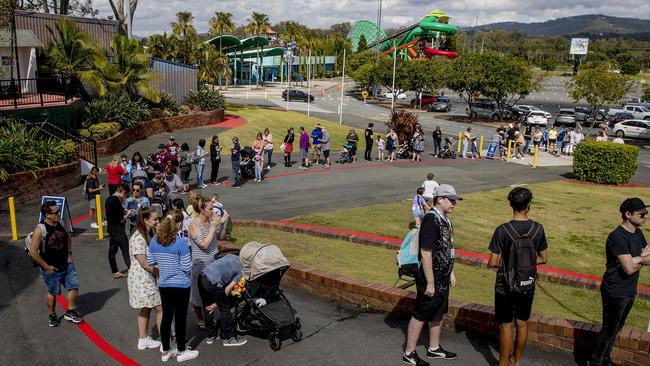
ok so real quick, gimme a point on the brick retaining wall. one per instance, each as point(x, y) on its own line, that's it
point(28, 186)
point(123, 139)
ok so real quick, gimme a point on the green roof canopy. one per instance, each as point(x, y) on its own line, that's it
point(275, 51)
point(226, 41)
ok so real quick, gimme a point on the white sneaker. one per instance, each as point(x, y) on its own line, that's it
point(93, 225)
point(144, 343)
point(171, 353)
point(187, 355)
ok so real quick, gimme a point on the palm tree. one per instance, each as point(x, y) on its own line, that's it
point(212, 65)
point(163, 46)
point(258, 23)
point(130, 69)
point(72, 57)
point(221, 22)
point(184, 29)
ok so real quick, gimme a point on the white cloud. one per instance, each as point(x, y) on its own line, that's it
point(155, 16)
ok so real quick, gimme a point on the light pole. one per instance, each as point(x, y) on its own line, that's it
point(342, 89)
point(392, 100)
point(308, 82)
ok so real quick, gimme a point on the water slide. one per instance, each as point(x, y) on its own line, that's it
point(434, 52)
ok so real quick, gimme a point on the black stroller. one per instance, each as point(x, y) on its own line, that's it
point(247, 165)
point(264, 308)
point(344, 155)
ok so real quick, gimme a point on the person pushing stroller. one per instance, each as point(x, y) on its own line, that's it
point(218, 285)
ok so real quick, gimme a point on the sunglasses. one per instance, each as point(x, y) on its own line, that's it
point(136, 190)
point(643, 215)
point(54, 212)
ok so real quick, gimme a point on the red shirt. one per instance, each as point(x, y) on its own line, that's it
point(163, 159)
point(115, 173)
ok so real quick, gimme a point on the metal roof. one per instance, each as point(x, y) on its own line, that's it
point(227, 41)
point(25, 38)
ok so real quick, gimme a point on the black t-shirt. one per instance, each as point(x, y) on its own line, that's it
point(511, 133)
point(368, 135)
point(55, 252)
point(215, 155)
point(441, 248)
point(114, 211)
point(501, 244)
point(91, 183)
point(616, 283)
point(288, 139)
point(437, 135)
point(235, 152)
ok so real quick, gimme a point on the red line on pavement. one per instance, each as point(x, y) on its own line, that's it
point(459, 251)
point(97, 339)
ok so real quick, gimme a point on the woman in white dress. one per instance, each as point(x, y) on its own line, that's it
point(143, 289)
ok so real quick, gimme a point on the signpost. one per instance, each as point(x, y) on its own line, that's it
point(64, 211)
point(578, 52)
point(492, 150)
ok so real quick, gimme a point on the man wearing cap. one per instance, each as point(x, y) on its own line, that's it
point(317, 136)
point(368, 136)
point(172, 147)
point(435, 278)
point(162, 157)
point(627, 251)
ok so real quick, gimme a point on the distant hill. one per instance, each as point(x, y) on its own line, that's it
point(593, 26)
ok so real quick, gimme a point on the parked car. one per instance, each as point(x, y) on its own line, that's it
point(619, 117)
point(639, 112)
point(536, 118)
point(565, 117)
point(639, 101)
point(582, 113)
point(423, 100)
point(297, 95)
point(485, 109)
point(442, 104)
point(400, 95)
point(530, 108)
point(607, 113)
point(636, 128)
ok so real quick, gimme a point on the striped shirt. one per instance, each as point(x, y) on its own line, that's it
point(174, 262)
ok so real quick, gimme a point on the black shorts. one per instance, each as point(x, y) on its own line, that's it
point(431, 309)
point(326, 154)
point(509, 307)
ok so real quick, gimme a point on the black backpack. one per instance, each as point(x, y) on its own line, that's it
point(520, 265)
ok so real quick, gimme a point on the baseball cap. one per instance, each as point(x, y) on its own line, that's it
point(446, 190)
point(161, 146)
point(172, 138)
point(632, 205)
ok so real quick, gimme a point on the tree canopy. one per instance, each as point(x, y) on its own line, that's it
point(598, 85)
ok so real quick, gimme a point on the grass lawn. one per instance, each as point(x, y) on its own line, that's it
point(577, 219)
point(474, 285)
point(278, 122)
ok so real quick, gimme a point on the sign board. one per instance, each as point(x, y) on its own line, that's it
point(579, 46)
point(64, 211)
point(492, 150)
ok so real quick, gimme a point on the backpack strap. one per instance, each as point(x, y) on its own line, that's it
point(534, 226)
point(42, 245)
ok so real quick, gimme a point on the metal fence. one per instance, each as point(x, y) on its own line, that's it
point(174, 78)
point(86, 147)
point(38, 91)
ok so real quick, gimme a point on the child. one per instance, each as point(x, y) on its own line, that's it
point(92, 189)
point(225, 228)
point(420, 207)
point(380, 147)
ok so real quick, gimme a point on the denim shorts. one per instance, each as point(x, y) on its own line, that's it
point(303, 154)
point(417, 213)
point(67, 278)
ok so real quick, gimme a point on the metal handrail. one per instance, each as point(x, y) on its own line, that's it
point(86, 146)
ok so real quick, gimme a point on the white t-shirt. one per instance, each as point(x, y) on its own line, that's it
point(572, 137)
point(429, 187)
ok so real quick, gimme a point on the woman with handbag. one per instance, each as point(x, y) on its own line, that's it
point(287, 147)
point(215, 159)
point(258, 147)
point(268, 147)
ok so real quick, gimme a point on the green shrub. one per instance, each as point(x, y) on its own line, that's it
point(103, 130)
point(118, 108)
point(605, 162)
point(185, 109)
point(205, 99)
point(84, 132)
point(168, 105)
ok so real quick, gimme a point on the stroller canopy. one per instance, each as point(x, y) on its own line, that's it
point(258, 259)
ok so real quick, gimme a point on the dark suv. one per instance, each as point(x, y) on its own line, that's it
point(297, 95)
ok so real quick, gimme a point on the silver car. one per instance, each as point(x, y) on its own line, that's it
point(637, 128)
point(565, 117)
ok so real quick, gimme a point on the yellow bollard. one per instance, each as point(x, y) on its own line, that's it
point(480, 148)
point(12, 219)
point(509, 150)
point(460, 139)
point(535, 156)
point(98, 211)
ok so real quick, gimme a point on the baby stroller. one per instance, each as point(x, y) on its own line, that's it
point(247, 165)
point(264, 308)
point(159, 201)
point(404, 151)
point(344, 155)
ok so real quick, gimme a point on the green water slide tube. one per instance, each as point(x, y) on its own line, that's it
point(430, 24)
point(369, 30)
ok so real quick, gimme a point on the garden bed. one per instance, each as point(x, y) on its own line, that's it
point(29, 186)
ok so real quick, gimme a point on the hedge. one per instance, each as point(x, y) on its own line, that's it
point(605, 162)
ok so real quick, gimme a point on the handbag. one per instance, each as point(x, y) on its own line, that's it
point(283, 146)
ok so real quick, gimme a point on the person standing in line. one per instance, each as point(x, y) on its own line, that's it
point(203, 232)
point(429, 186)
point(162, 157)
point(143, 290)
point(268, 146)
point(200, 155)
point(467, 139)
point(537, 139)
point(125, 163)
point(93, 188)
point(185, 164)
point(381, 144)
point(234, 159)
point(437, 141)
point(171, 254)
point(316, 135)
point(138, 167)
point(215, 159)
point(172, 148)
point(435, 277)
point(572, 142)
point(326, 146)
point(528, 135)
point(392, 145)
point(418, 143)
point(304, 148)
point(508, 305)
point(258, 147)
point(114, 171)
point(419, 207)
point(601, 136)
point(519, 146)
point(352, 139)
point(116, 218)
point(51, 251)
point(627, 252)
point(135, 203)
point(552, 140)
point(288, 147)
point(368, 135)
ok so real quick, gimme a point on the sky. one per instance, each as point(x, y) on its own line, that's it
point(154, 16)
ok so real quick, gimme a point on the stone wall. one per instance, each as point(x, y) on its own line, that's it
point(28, 186)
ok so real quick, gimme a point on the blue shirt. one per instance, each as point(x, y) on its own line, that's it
point(316, 135)
point(174, 262)
point(224, 270)
point(134, 204)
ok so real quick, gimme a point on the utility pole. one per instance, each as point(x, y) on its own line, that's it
point(377, 39)
point(475, 34)
point(308, 82)
point(342, 89)
point(392, 100)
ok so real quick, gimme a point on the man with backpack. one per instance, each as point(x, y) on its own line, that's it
point(435, 277)
point(51, 250)
point(627, 251)
point(517, 247)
